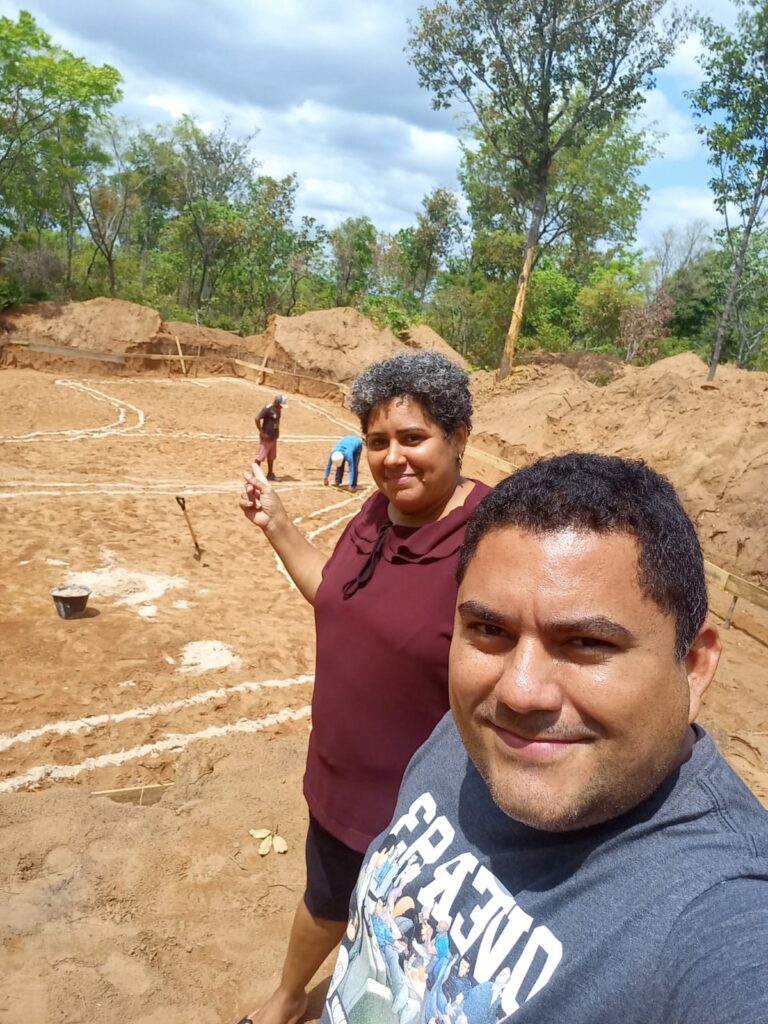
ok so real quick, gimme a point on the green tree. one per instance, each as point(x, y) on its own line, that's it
point(107, 191)
point(352, 246)
point(48, 100)
point(550, 312)
point(594, 194)
point(542, 77)
point(152, 157)
point(274, 256)
point(612, 290)
point(697, 290)
point(424, 247)
point(214, 170)
point(731, 107)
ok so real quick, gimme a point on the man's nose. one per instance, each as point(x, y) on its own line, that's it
point(530, 680)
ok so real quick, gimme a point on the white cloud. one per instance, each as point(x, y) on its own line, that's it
point(684, 61)
point(435, 150)
point(679, 139)
point(675, 207)
point(168, 103)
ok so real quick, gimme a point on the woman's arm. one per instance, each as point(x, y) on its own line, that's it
point(303, 561)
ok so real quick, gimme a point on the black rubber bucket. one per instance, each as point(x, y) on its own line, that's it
point(70, 601)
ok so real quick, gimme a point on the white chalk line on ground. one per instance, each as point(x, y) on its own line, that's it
point(147, 436)
point(150, 490)
point(64, 728)
point(329, 526)
point(310, 536)
point(339, 504)
point(253, 438)
point(116, 427)
point(174, 742)
point(349, 426)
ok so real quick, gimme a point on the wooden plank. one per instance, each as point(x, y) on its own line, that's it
point(491, 460)
point(716, 574)
point(749, 591)
point(736, 585)
point(66, 352)
point(141, 795)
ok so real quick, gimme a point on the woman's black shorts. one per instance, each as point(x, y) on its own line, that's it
point(332, 870)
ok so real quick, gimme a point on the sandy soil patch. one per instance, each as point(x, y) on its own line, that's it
point(167, 913)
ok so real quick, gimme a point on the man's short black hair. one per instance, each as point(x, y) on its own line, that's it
point(606, 494)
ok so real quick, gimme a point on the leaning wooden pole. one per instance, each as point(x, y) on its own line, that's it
point(516, 323)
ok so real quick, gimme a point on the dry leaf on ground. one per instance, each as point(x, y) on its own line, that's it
point(279, 844)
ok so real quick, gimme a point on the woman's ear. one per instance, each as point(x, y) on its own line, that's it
point(459, 438)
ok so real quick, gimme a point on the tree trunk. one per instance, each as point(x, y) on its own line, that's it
point(531, 243)
point(738, 270)
point(730, 301)
point(70, 237)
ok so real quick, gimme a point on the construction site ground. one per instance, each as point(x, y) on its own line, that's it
point(191, 672)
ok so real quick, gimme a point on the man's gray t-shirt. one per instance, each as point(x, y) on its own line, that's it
point(463, 916)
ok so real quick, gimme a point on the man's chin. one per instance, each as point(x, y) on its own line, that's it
point(545, 814)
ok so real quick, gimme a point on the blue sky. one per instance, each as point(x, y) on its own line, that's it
point(328, 86)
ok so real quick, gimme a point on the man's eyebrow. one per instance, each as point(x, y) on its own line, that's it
point(590, 625)
point(481, 611)
point(596, 625)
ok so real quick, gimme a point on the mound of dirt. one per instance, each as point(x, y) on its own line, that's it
point(336, 344)
point(192, 337)
point(421, 336)
point(330, 344)
point(596, 367)
point(98, 325)
point(711, 440)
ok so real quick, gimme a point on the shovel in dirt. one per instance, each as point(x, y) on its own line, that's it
point(183, 506)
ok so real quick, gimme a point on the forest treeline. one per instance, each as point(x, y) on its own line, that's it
point(181, 218)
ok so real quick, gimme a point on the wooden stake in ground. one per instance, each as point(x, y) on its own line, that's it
point(181, 357)
point(183, 506)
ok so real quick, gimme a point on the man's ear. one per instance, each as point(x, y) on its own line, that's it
point(700, 664)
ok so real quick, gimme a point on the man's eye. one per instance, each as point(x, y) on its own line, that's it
point(486, 629)
point(590, 643)
point(413, 439)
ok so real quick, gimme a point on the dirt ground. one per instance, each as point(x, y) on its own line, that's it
point(195, 673)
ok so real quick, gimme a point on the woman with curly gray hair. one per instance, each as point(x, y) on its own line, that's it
point(384, 606)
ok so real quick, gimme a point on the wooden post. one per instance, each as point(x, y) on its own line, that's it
point(731, 610)
point(181, 357)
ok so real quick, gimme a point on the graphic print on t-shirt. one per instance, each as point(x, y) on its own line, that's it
point(434, 936)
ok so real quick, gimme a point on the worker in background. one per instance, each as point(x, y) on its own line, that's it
point(348, 451)
point(268, 424)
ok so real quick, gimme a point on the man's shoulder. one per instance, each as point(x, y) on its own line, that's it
point(712, 788)
point(442, 756)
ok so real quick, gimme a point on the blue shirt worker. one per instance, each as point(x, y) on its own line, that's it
point(348, 451)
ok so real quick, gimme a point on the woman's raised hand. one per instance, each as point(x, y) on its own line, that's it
point(259, 500)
